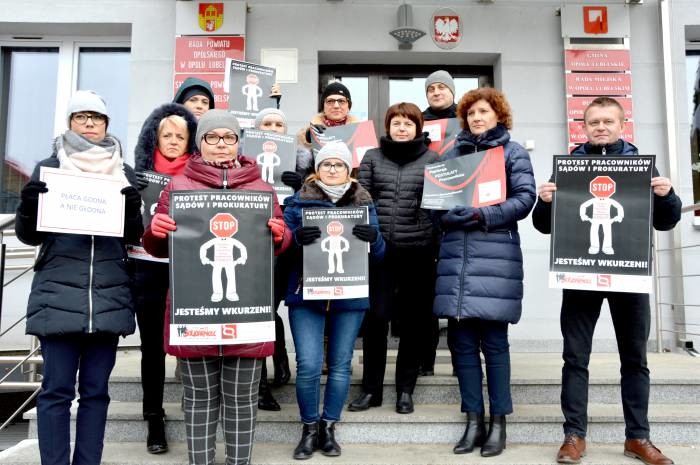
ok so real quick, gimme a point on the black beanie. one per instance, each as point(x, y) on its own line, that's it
point(192, 91)
point(335, 88)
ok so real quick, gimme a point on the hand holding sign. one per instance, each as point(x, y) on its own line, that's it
point(305, 235)
point(30, 195)
point(162, 225)
point(277, 227)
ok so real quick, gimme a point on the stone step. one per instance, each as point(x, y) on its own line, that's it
point(27, 453)
point(430, 423)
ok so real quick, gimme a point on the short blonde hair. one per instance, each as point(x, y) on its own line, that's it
point(177, 120)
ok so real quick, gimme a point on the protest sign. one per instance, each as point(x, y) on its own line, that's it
point(359, 137)
point(477, 180)
point(336, 265)
point(221, 267)
point(442, 134)
point(249, 89)
point(274, 153)
point(81, 203)
point(149, 202)
point(601, 223)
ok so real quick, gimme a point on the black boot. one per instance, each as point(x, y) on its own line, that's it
point(496, 440)
point(308, 443)
point(282, 372)
point(155, 442)
point(326, 439)
point(265, 399)
point(474, 434)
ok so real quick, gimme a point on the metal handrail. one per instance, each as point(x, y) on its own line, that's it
point(7, 375)
point(21, 407)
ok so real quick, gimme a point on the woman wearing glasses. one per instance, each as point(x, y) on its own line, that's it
point(80, 302)
point(329, 187)
point(217, 378)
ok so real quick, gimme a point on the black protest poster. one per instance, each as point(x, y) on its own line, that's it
point(601, 223)
point(442, 134)
point(249, 90)
point(275, 153)
point(359, 137)
point(336, 264)
point(221, 267)
point(149, 202)
point(477, 179)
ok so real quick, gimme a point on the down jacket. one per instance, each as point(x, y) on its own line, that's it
point(311, 196)
point(393, 175)
point(198, 176)
point(480, 271)
point(667, 209)
point(82, 284)
point(148, 138)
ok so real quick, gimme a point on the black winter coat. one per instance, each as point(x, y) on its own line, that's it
point(450, 112)
point(82, 284)
point(393, 175)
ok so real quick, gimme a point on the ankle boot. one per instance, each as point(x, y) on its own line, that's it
point(496, 439)
point(155, 441)
point(282, 372)
point(474, 434)
point(326, 439)
point(308, 443)
point(265, 399)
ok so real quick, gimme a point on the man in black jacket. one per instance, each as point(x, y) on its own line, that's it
point(603, 122)
point(440, 93)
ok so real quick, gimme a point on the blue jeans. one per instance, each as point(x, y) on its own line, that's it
point(466, 338)
point(307, 330)
point(93, 355)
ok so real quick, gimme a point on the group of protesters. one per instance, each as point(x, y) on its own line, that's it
point(464, 264)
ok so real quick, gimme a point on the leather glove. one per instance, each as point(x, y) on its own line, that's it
point(162, 225)
point(292, 179)
point(30, 196)
point(317, 128)
point(277, 227)
point(465, 218)
point(141, 180)
point(305, 235)
point(132, 201)
point(365, 232)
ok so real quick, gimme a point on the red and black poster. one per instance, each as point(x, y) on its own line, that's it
point(221, 267)
point(442, 134)
point(149, 199)
point(359, 137)
point(249, 90)
point(335, 265)
point(477, 179)
point(601, 223)
point(275, 153)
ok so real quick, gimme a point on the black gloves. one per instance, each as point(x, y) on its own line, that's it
point(132, 202)
point(30, 196)
point(305, 235)
point(465, 218)
point(141, 180)
point(292, 179)
point(317, 128)
point(365, 232)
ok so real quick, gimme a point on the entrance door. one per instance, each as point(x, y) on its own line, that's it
point(376, 87)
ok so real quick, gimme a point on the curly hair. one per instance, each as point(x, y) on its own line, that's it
point(494, 98)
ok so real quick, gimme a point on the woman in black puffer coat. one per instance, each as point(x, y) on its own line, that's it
point(401, 286)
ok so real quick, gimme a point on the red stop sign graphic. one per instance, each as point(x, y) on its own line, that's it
point(602, 186)
point(223, 225)
point(334, 228)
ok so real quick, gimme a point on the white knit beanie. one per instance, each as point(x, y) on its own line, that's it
point(334, 149)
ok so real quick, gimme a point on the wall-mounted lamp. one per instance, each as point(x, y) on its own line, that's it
point(406, 33)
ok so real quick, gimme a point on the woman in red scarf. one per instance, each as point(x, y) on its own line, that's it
point(164, 146)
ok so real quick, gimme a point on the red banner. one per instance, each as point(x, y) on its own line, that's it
point(598, 84)
point(597, 60)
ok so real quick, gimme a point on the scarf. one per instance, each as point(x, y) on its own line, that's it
point(164, 165)
point(76, 153)
point(334, 192)
point(330, 123)
point(223, 164)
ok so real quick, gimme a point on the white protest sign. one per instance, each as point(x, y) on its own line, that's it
point(81, 203)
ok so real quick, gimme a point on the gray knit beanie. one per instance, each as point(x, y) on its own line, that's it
point(269, 111)
point(216, 119)
point(443, 77)
point(334, 149)
point(86, 100)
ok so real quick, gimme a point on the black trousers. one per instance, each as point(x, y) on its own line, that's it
point(283, 265)
point(401, 288)
point(150, 291)
point(631, 319)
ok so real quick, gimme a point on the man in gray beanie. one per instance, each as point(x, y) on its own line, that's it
point(440, 92)
point(215, 119)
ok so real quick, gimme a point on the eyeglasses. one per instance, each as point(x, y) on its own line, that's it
point(339, 167)
point(340, 101)
point(98, 119)
point(213, 139)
